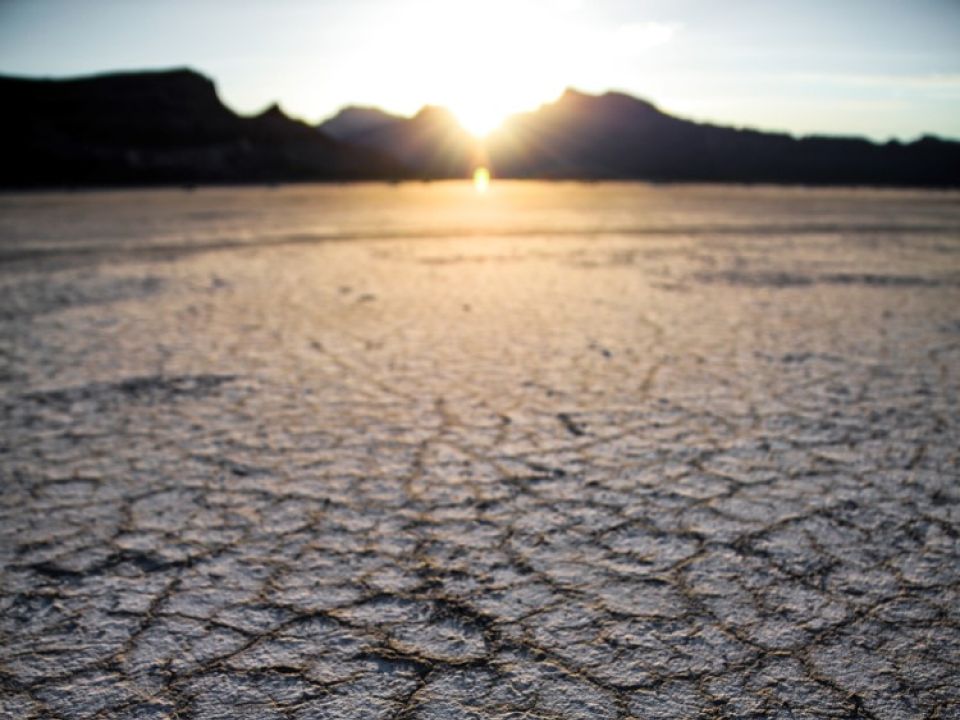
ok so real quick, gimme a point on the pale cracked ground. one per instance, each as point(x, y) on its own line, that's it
point(607, 452)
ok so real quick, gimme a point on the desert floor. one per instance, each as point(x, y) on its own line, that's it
point(558, 451)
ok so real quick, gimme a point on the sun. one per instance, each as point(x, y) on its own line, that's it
point(483, 61)
point(479, 117)
point(482, 106)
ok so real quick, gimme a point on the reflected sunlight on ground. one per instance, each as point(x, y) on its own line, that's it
point(481, 179)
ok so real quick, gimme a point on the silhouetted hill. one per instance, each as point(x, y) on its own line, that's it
point(615, 136)
point(431, 143)
point(354, 120)
point(160, 127)
point(170, 127)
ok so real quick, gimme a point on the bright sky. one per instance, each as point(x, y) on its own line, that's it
point(882, 68)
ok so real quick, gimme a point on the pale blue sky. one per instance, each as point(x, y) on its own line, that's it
point(882, 68)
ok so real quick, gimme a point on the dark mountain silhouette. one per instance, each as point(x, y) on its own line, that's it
point(161, 127)
point(431, 143)
point(355, 120)
point(615, 136)
point(171, 128)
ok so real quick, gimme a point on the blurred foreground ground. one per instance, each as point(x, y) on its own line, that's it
point(556, 451)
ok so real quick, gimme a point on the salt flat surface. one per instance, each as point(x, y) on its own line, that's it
point(556, 451)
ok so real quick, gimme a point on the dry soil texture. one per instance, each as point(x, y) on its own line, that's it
point(559, 451)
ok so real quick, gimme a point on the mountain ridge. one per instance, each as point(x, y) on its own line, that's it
point(615, 136)
point(161, 127)
point(170, 127)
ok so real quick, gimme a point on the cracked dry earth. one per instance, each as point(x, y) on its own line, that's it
point(559, 451)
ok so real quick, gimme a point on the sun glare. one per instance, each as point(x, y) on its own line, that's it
point(480, 118)
point(481, 179)
point(507, 70)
